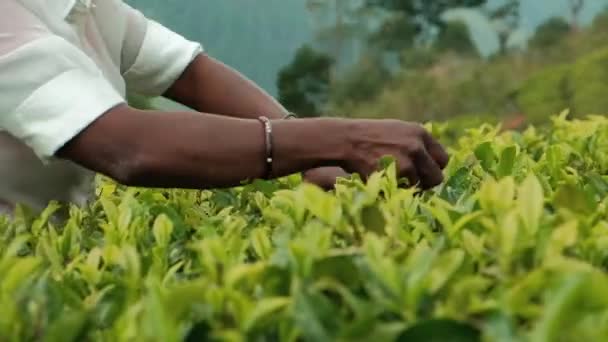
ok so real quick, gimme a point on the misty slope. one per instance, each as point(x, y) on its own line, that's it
point(257, 38)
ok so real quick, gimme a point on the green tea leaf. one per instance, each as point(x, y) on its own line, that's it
point(444, 268)
point(507, 162)
point(373, 219)
point(315, 316)
point(342, 268)
point(485, 154)
point(321, 204)
point(500, 327)
point(575, 199)
point(530, 200)
point(199, 332)
point(456, 185)
point(562, 308)
point(440, 330)
point(263, 309)
point(261, 243)
point(162, 229)
point(69, 326)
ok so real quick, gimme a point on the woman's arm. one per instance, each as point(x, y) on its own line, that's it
point(201, 151)
point(208, 85)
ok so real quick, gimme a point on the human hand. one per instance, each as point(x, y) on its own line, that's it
point(324, 177)
point(420, 158)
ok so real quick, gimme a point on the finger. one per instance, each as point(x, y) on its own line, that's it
point(325, 177)
point(435, 150)
point(428, 170)
point(320, 182)
point(407, 169)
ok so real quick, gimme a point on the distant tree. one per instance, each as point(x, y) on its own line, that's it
point(418, 58)
point(424, 16)
point(576, 6)
point(500, 24)
point(506, 21)
point(340, 28)
point(389, 26)
point(600, 22)
point(303, 85)
point(363, 82)
point(550, 33)
point(455, 37)
point(395, 34)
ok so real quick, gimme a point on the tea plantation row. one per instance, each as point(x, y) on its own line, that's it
point(512, 247)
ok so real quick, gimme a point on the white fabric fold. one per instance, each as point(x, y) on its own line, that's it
point(63, 64)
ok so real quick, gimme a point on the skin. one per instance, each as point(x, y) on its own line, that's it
point(222, 144)
point(5, 207)
point(210, 86)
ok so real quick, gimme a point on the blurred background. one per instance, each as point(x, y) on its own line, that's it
point(509, 61)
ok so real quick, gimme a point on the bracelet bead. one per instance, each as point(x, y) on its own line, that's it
point(290, 115)
point(268, 144)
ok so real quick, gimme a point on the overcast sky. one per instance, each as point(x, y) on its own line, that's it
point(535, 12)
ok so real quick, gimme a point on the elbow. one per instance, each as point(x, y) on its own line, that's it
point(115, 145)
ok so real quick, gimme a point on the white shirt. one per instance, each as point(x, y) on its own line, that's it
point(63, 63)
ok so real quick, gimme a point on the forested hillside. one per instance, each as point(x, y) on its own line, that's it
point(260, 37)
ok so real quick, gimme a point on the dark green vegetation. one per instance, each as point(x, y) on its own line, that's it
point(306, 82)
point(562, 66)
point(512, 247)
point(380, 70)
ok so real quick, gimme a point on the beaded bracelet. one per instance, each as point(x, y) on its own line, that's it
point(268, 141)
point(290, 115)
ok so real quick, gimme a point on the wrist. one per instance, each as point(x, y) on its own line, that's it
point(309, 143)
point(335, 141)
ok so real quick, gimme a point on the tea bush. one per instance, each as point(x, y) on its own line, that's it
point(512, 247)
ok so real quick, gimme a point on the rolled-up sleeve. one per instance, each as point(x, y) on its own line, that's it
point(49, 90)
point(157, 56)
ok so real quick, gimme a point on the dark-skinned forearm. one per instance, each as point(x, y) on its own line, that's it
point(208, 85)
point(198, 150)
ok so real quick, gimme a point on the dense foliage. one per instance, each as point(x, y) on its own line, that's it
point(303, 84)
point(422, 14)
point(512, 247)
point(544, 79)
